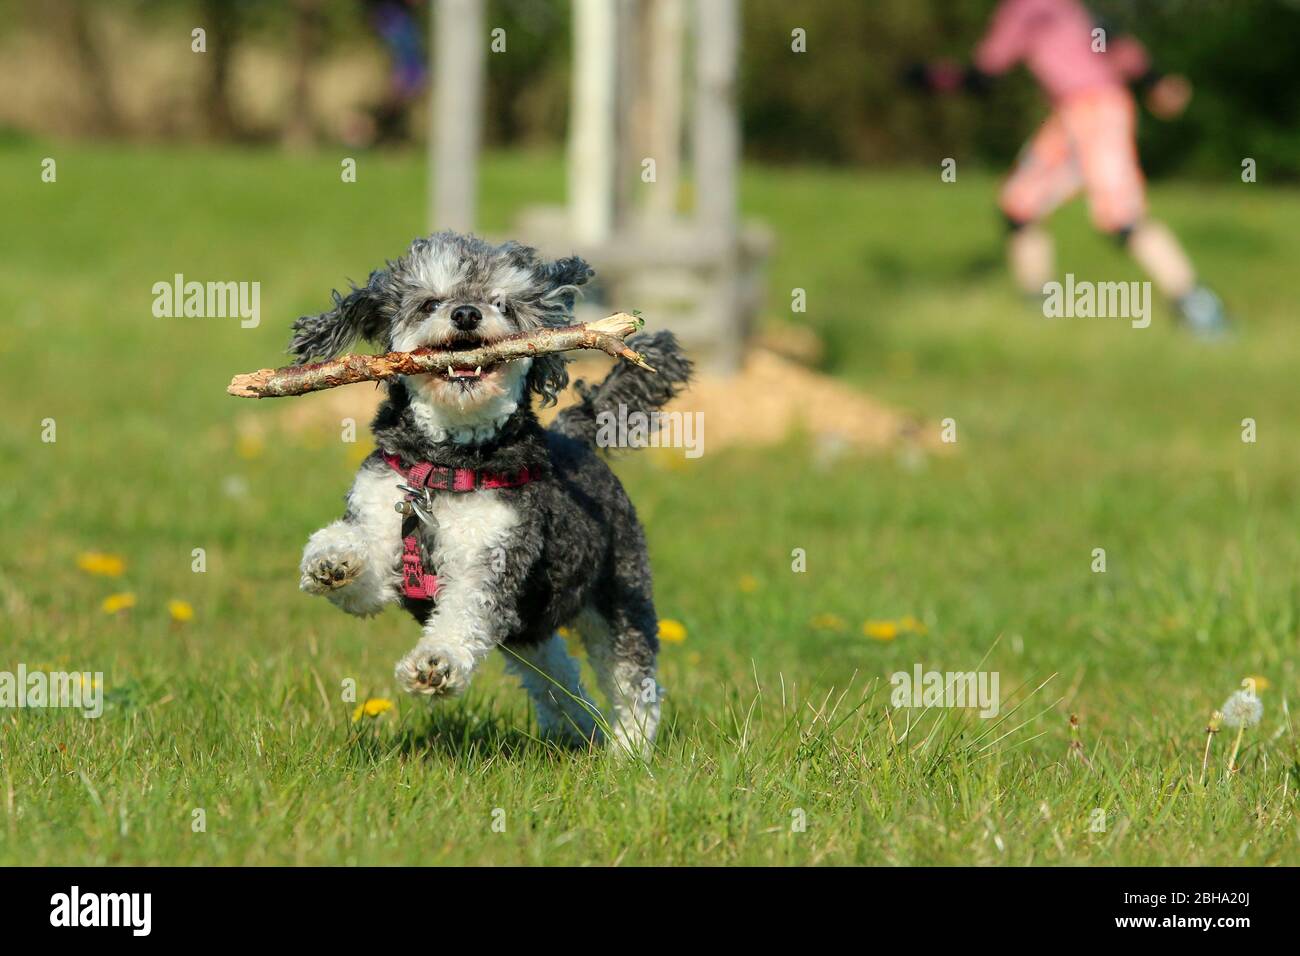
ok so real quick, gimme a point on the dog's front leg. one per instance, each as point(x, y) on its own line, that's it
point(482, 553)
point(355, 561)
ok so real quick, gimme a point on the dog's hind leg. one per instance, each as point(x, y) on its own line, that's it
point(551, 677)
point(621, 647)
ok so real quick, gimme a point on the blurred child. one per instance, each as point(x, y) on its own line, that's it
point(1088, 143)
point(397, 24)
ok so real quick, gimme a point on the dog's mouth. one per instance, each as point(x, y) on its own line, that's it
point(466, 375)
point(464, 371)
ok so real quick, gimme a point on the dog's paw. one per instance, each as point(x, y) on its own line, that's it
point(433, 672)
point(329, 570)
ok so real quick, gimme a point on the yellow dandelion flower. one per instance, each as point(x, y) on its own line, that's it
point(748, 583)
point(250, 446)
point(909, 623)
point(107, 565)
point(669, 459)
point(880, 630)
point(827, 622)
point(373, 707)
point(672, 632)
point(181, 611)
point(118, 602)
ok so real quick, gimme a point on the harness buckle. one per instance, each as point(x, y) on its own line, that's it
point(418, 502)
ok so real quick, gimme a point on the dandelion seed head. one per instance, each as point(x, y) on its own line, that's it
point(1242, 709)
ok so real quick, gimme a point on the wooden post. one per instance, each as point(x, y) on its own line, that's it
point(717, 156)
point(593, 121)
point(629, 141)
point(661, 98)
point(717, 129)
point(459, 53)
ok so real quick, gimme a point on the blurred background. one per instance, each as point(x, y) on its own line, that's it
point(849, 307)
point(331, 72)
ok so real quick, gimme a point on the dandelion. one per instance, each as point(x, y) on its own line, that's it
point(672, 632)
point(888, 630)
point(909, 623)
point(748, 584)
point(880, 630)
point(105, 565)
point(373, 707)
point(669, 459)
point(1243, 709)
point(1211, 728)
point(827, 622)
point(250, 446)
point(1076, 745)
point(180, 611)
point(234, 486)
point(115, 603)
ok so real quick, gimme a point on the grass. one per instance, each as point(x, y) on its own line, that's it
point(1072, 435)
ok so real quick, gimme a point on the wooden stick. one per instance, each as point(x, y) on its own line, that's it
point(606, 334)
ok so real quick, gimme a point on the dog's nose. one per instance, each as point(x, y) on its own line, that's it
point(466, 317)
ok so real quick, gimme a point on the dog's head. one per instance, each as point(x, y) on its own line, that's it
point(452, 291)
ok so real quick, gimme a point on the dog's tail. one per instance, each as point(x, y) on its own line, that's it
point(633, 388)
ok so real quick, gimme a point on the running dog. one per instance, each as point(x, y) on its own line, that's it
point(493, 531)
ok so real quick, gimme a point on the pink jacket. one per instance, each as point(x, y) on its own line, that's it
point(1054, 39)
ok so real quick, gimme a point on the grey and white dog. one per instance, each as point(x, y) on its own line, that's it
point(514, 564)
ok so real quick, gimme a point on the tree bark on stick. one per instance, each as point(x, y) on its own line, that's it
point(606, 334)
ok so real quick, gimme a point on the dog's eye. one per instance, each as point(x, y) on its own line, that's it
point(505, 308)
point(428, 306)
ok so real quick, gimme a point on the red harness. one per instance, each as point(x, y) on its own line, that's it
point(418, 584)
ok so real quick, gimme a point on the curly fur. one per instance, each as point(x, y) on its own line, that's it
point(629, 386)
point(514, 565)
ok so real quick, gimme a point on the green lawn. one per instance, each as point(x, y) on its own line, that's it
point(1072, 435)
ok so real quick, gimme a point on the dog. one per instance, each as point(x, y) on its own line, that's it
point(525, 529)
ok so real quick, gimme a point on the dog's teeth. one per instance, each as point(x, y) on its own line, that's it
point(478, 371)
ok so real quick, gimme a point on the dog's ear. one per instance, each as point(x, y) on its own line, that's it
point(572, 270)
point(548, 376)
point(357, 315)
point(562, 278)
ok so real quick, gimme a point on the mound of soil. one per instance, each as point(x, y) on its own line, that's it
point(771, 398)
